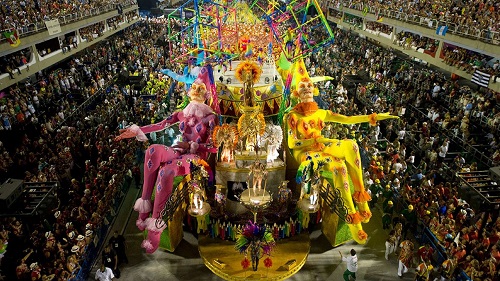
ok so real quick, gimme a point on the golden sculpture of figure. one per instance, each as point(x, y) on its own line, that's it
point(248, 73)
point(258, 174)
point(313, 198)
point(273, 137)
point(198, 197)
point(251, 122)
point(284, 193)
point(341, 157)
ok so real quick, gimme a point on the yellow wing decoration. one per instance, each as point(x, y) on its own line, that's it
point(225, 134)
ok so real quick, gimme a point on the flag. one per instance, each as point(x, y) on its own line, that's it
point(12, 37)
point(481, 78)
point(441, 30)
point(365, 11)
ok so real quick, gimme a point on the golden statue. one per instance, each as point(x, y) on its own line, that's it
point(250, 125)
point(251, 122)
point(248, 73)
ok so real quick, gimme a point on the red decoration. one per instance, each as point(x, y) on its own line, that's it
point(268, 262)
point(245, 263)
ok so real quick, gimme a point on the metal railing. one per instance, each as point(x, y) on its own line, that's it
point(473, 152)
point(91, 254)
point(423, 233)
point(473, 32)
point(39, 26)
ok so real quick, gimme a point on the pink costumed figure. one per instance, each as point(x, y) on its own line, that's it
point(163, 163)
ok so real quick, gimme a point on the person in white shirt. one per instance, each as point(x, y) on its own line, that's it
point(401, 134)
point(444, 149)
point(397, 166)
point(352, 265)
point(435, 116)
point(435, 90)
point(104, 273)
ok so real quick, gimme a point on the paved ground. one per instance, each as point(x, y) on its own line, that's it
point(185, 264)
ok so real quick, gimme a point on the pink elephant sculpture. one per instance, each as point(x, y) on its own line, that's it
point(162, 163)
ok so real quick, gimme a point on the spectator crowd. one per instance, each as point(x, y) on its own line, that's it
point(21, 14)
point(481, 15)
point(73, 144)
point(406, 160)
point(410, 162)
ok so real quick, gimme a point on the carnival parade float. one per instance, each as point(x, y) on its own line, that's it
point(252, 171)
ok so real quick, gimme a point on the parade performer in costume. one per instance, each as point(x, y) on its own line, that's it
point(251, 123)
point(163, 163)
point(339, 157)
point(226, 136)
point(244, 45)
point(248, 73)
point(405, 257)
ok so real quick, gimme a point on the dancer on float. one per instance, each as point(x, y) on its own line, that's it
point(162, 163)
point(341, 157)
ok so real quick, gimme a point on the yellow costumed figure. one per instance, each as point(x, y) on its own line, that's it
point(340, 158)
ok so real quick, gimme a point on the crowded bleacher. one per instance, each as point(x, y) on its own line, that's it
point(72, 144)
point(69, 116)
point(480, 19)
point(440, 122)
point(23, 15)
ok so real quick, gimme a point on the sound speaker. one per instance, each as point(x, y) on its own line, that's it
point(10, 191)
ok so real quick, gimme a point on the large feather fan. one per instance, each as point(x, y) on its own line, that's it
point(252, 233)
point(225, 134)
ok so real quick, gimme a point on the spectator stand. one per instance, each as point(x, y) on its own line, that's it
point(34, 203)
point(16, 61)
point(410, 86)
point(31, 202)
point(422, 234)
point(92, 251)
point(36, 26)
point(82, 122)
point(354, 20)
point(422, 44)
point(379, 29)
point(466, 147)
point(86, 105)
point(482, 190)
point(414, 16)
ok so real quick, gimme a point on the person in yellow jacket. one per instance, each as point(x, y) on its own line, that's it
point(448, 268)
point(423, 272)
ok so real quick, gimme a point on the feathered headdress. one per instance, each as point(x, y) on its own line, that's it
point(248, 66)
point(252, 233)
